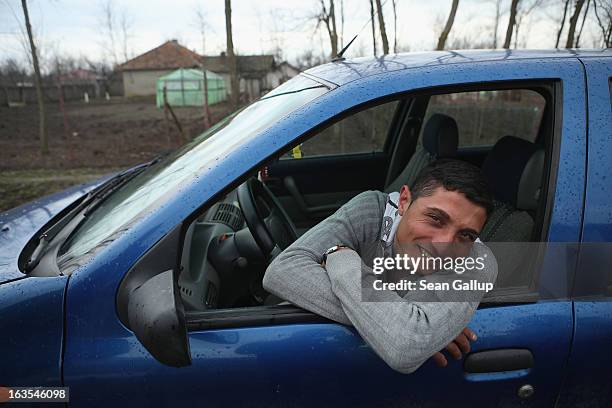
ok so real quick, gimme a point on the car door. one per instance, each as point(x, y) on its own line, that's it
point(588, 381)
point(520, 355)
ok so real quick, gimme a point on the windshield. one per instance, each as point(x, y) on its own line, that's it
point(117, 211)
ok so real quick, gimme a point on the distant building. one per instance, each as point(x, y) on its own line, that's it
point(81, 78)
point(140, 74)
point(258, 73)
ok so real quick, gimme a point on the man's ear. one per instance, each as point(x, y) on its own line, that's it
point(404, 199)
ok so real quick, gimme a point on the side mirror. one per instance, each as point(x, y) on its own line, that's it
point(156, 315)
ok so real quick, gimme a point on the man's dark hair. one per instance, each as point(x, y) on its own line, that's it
point(453, 175)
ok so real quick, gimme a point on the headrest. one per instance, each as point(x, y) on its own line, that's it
point(513, 170)
point(440, 136)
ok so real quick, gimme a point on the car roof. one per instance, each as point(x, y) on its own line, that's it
point(348, 70)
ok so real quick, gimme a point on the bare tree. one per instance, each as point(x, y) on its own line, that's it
point(467, 41)
point(341, 24)
point(235, 90)
point(562, 24)
point(522, 12)
point(496, 21)
point(308, 59)
point(42, 120)
point(327, 16)
point(373, 26)
point(125, 26)
point(394, 3)
point(584, 17)
point(108, 29)
point(572, 24)
point(12, 72)
point(511, 23)
point(275, 34)
point(604, 21)
point(116, 30)
point(201, 24)
point(381, 26)
point(447, 26)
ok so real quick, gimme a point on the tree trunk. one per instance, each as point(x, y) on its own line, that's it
point(333, 36)
point(381, 26)
point(42, 121)
point(448, 26)
point(341, 24)
point(511, 22)
point(562, 23)
point(586, 11)
point(231, 58)
point(572, 24)
point(394, 26)
point(328, 17)
point(373, 25)
point(496, 24)
point(605, 24)
point(207, 120)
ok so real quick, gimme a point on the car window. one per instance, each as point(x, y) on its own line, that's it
point(116, 212)
point(362, 132)
point(484, 117)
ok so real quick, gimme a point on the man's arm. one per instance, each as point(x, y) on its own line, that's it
point(297, 275)
point(404, 333)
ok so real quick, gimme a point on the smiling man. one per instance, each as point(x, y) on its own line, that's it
point(329, 269)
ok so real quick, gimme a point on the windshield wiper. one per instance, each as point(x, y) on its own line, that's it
point(113, 184)
point(86, 206)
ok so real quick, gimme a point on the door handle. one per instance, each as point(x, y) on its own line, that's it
point(490, 361)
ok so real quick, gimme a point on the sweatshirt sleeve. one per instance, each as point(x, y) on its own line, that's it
point(404, 333)
point(296, 274)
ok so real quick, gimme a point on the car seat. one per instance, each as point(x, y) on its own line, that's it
point(513, 171)
point(440, 140)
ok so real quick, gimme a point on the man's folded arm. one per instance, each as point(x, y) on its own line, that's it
point(402, 332)
point(296, 274)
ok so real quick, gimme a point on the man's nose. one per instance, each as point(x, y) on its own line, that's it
point(443, 242)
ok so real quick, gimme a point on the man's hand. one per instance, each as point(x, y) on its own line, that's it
point(456, 348)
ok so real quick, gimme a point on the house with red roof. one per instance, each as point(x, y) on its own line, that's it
point(257, 73)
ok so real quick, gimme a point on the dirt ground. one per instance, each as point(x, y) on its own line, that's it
point(91, 140)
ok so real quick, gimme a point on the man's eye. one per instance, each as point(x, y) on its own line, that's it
point(435, 218)
point(467, 236)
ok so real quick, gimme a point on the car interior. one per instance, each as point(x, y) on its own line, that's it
point(506, 130)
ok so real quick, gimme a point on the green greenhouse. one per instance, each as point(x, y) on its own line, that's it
point(185, 87)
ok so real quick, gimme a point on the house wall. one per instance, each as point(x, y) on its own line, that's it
point(139, 83)
point(281, 74)
point(289, 71)
point(250, 88)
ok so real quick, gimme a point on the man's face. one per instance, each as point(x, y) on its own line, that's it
point(445, 218)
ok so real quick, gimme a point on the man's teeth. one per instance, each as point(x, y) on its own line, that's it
point(424, 253)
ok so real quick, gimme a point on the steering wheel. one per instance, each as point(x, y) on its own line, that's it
point(269, 224)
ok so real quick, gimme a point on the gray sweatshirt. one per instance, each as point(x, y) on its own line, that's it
point(403, 330)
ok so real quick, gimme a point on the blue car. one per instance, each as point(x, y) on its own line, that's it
point(144, 288)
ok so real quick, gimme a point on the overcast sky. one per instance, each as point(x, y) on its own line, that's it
point(72, 27)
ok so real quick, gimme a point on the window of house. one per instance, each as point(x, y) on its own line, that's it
point(484, 117)
point(362, 132)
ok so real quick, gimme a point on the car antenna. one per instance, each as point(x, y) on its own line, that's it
point(340, 57)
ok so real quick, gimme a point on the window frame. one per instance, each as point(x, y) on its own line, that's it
point(392, 130)
point(550, 133)
point(538, 90)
